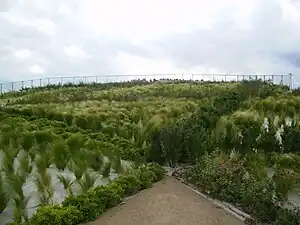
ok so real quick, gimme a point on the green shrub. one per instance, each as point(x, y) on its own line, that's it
point(259, 199)
point(87, 203)
point(145, 176)
point(109, 195)
point(56, 215)
point(230, 178)
point(288, 217)
point(158, 170)
point(130, 184)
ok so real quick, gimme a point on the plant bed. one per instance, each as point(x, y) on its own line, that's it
point(89, 206)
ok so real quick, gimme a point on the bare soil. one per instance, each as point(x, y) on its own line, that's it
point(169, 202)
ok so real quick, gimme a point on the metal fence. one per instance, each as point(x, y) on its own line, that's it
point(284, 79)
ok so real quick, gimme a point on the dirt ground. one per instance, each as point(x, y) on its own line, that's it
point(169, 202)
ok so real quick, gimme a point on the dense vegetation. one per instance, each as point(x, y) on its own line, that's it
point(230, 133)
point(244, 148)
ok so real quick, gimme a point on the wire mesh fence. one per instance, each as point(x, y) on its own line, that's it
point(283, 79)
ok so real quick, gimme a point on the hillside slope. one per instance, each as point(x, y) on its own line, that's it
point(239, 138)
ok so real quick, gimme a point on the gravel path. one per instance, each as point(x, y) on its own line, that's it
point(169, 202)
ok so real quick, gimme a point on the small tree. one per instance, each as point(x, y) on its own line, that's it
point(20, 201)
point(87, 182)
point(60, 156)
point(4, 199)
point(67, 183)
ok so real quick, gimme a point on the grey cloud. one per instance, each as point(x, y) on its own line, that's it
point(230, 48)
point(269, 45)
point(6, 5)
point(292, 57)
point(47, 51)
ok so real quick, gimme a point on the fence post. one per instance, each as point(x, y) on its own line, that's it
point(96, 79)
point(40, 82)
point(22, 84)
point(85, 79)
point(1, 87)
point(31, 83)
point(48, 81)
point(12, 86)
point(291, 81)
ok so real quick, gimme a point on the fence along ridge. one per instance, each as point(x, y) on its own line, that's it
point(17, 85)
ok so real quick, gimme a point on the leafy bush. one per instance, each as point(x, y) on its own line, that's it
point(145, 176)
point(87, 204)
point(129, 183)
point(159, 171)
point(288, 217)
point(229, 178)
point(56, 215)
point(109, 195)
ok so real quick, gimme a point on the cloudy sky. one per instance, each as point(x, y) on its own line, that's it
point(42, 38)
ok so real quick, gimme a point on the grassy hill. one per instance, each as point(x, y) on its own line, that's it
point(84, 132)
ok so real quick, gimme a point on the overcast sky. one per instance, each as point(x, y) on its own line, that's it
point(41, 38)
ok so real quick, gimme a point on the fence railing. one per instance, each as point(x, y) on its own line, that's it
point(284, 79)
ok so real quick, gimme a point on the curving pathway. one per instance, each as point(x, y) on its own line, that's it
point(168, 202)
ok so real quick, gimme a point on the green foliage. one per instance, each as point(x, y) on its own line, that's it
point(230, 178)
point(85, 203)
point(106, 169)
point(27, 141)
point(60, 155)
point(97, 200)
point(181, 142)
point(44, 187)
point(67, 184)
point(87, 181)
point(129, 183)
point(109, 195)
point(286, 217)
point(146, 176)
point(291, 138)
point(16, 181)
point(7, 164)
point(25, 163)
point(158, 171)
point(20, 208)
point(56, 215)
point(3, 195)
point(80, 126)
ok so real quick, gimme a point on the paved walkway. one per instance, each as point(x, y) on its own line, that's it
point(169, 202)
